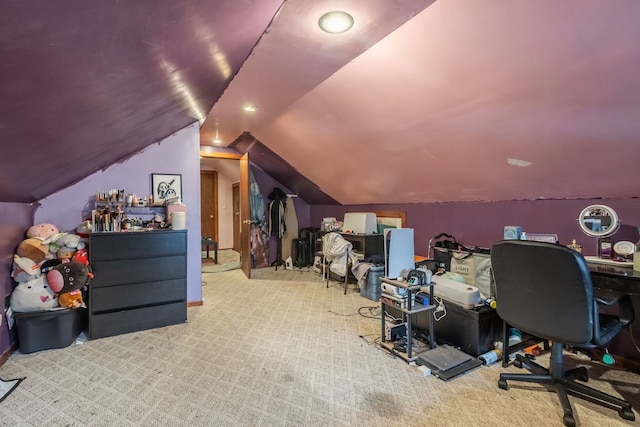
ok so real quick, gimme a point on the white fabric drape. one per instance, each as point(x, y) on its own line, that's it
point(338, 252)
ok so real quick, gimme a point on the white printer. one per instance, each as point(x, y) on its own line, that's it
point(360, 223)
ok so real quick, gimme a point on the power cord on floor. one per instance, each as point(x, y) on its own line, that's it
point(340, 314)
point(364, 338)
point(372, 314)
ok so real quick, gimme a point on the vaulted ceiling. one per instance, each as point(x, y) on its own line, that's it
point(420, 101)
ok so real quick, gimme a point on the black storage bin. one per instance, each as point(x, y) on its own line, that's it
point(473, 330)
point(43, 330)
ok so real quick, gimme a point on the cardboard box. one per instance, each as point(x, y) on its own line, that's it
point(43, 330)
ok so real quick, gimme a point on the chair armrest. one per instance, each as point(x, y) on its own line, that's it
point(625, 305)
point(608, 298)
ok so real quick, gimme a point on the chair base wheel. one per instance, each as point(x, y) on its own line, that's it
point(503, 384)
point(517, 363)
point(627, 414)
point(569, 421)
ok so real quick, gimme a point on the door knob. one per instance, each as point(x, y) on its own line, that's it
point(211, 216)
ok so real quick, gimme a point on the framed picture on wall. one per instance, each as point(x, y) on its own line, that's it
point(166, 186)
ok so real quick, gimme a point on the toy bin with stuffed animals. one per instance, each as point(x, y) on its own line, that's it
point(44, 330)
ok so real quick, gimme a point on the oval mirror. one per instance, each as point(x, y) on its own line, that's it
point(598, 221)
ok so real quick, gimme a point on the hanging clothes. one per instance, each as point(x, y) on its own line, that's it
point(259, 226)
point(277, 225)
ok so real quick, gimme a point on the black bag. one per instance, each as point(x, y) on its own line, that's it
point(443, 249)
point(300, 253)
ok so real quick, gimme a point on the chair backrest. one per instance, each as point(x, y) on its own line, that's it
point(544, 289)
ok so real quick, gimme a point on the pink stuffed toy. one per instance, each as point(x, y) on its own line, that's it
point(42, 231)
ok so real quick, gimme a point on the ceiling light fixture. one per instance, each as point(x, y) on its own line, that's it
point(336, 22)
point(250, 108)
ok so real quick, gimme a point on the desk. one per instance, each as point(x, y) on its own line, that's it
point(207, 241)
point(623, 280)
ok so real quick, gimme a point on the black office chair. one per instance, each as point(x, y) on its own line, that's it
point(545, 290)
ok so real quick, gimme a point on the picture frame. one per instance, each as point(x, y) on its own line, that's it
point(166, 187)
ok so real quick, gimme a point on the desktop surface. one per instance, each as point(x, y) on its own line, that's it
point(614, 277)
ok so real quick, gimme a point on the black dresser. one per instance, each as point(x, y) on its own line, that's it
point(140, 281)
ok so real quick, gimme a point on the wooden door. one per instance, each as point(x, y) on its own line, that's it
point(209, 204)
point(245, 218)
point(236, 216)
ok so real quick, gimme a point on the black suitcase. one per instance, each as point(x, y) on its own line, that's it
point(310, 235)
point(300, 253)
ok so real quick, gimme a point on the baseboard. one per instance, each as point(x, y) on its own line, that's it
point(5, 356)
point(194, 303)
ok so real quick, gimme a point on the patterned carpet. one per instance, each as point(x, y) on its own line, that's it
point(228, 259)
point(277, 350)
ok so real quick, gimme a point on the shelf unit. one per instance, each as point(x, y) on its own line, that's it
point(118, 212)
point(412, 308)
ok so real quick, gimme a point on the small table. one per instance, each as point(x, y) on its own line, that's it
point(408, 311)
point(207, 241)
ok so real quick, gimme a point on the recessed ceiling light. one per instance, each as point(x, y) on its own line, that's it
point(336, 22)
point(250, 108)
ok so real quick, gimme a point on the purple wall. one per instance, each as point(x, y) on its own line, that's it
point(177, 154)
point(15, 219)
point(482, 224)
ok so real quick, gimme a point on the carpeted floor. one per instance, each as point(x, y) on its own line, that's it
point(228, 259)
point(277, 350)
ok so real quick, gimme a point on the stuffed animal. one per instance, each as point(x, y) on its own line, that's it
point(24, 269)
point(64, 240)
point(81, 256)
point(42, 231)
point(69, 278)
point(71, 299)
point(34, 249)
point(84, 229)
point(33, 295)
point(70, 240)
point(65, 254)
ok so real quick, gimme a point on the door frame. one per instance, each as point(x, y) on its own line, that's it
point(245, 236)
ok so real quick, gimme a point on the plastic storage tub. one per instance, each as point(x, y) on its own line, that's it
point(43, 330)
point(372, 288)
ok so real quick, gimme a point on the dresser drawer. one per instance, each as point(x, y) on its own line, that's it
point(125, 271)
point(111, 246)
point(125, 321)
point(113, 298)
